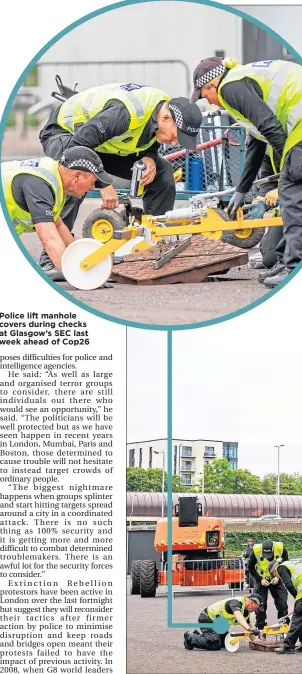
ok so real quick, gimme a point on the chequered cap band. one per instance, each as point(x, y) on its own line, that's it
point(88, 165)
point(178, 116)
point(209, 76)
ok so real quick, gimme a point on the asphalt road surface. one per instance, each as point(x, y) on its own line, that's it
point(164, 305)
point(153, 648)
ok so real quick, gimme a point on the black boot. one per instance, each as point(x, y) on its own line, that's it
point(285, 650)
point(267, 273)
point(274, 281)
point(187, 641)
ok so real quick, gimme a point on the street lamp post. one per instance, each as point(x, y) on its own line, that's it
point(161, 451)
point(278, 447)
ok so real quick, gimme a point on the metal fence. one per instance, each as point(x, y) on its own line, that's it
point(205, 575)
point(171, 75)
point(264, 526)
point(217, 163)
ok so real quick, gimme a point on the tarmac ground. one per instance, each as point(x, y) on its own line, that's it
point(166, 304)
point(153, 648)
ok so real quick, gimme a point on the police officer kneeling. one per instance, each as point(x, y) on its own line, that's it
point(236, 610)
point(35, 191)
point(262, 555)
point(290, 575)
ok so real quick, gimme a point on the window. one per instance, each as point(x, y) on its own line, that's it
point(186, 451)
point(132, 458)
point(187, 479)
point(140, 457)
point(186, 465)
point(233, 465)
point(206, 462)
point(233, 452)
point(32, 79)
point(150, 457)
point(175, 460)
point(209, 451)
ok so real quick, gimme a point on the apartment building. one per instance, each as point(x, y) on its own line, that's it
point(189, 456)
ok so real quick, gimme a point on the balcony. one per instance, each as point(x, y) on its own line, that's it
point(209, 456)
point(187, 469)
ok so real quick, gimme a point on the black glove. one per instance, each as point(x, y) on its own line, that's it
point(254, 631)
point(236, 201)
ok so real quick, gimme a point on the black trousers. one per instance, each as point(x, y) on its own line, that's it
point(295, 631)
point(204, 618)
point(289, 250)
point(273, 235)
point(158, 197)
point(279, 594)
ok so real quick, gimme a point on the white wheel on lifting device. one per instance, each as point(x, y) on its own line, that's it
point(231, 647)
point(79, 278)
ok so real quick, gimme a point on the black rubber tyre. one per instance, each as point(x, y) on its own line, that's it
point(148, 578)
point(135, 578)
point(230, 236)
point(114, 219)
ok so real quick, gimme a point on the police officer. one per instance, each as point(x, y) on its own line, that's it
point(290, 575)
point(35, 191)
point(236, 610)
point(124, 123)
point(266, 257)
point(262, 555)
point(266, 98)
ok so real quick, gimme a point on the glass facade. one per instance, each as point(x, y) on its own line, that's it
point(132, 458)
point(230, 452)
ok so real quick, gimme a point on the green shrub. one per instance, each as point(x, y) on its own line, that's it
point(235, 541)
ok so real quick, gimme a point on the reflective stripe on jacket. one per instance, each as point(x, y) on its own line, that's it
point(218, 610)
point(45, 168)
point(263, 563)
point(281, 86)
point(140, 102)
